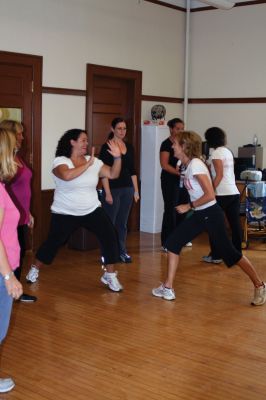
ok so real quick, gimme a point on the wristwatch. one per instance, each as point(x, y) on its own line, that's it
point(8, 276)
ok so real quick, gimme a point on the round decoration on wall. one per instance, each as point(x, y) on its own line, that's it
point(158, 111)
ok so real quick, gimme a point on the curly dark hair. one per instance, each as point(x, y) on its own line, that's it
point(215, 137)
point(64, 147)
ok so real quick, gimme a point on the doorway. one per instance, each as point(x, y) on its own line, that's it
point(20, 93)
point(113, 92)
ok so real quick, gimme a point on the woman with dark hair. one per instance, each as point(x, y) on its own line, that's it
point(76, 203)
point(10, 287)
point(227, 194)
point(119, 193)
point(19, 189)
point(207, 216)
point(173, 190)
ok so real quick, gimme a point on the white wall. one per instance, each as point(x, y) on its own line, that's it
point(70, 33)
point(228, 59)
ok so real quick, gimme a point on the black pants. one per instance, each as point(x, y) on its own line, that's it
point(231, 207)
point(22, 232)
point(62, 226)
point(173, 195)
point(212, 221)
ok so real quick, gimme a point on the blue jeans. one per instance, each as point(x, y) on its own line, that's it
point(6, 302)
point(118, 212)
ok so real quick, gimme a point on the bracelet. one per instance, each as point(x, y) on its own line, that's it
point(136, 193)
point(117, 158)
point(8, 276)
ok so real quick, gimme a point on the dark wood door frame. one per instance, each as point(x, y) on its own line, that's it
point(35, 62)
point(130, 75)
point(134, 78)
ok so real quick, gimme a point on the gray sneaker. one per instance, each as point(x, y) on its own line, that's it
point(165, 293)
point(6, 385)
point(259, 296)
point(209, 259)
point(110, 280)
point(33, 274)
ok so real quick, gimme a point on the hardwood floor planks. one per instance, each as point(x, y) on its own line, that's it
point(82, 341)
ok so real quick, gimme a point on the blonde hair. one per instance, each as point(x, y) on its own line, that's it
point(8, 166)
point(192, 142)
point(11, 125)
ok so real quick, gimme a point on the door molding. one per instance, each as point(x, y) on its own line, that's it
point(120, 73)
point(35, 62)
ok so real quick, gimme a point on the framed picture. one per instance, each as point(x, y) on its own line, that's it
point(11, 113)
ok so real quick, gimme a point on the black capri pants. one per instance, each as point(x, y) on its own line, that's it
point(212, 221)
point(62, 226)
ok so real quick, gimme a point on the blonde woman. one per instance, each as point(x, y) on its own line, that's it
point(207, 216)
point(10, 287)
point(19, 189)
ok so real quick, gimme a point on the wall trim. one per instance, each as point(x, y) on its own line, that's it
point(168, 5)
point(208, 8)
point(229, 100)
point(161, 99)
point(63, 91)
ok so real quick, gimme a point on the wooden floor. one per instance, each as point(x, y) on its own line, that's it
point(81, 341)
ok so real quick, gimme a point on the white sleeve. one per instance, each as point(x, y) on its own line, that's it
point(199, 168)
point(62, 161)
point(218, 154)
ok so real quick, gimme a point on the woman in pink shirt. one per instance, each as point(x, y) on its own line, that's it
point(10, 287)
point(19, 189)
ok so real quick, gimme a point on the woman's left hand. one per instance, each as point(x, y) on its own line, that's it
point(183, 208)
point(31, 222)
point(114, 148)
point(136, 197)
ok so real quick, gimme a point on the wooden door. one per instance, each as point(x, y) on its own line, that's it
point(114, 92)
point(16, 93)
point(20, 88)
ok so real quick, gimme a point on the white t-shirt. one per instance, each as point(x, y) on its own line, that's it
point(227, 186)
point(78, 196)
point(194, 168)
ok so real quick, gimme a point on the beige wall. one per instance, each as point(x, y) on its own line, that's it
point(228, 59)
point(70, 33)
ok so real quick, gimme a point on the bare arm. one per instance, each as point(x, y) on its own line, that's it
point(164, 161)
point(219, 170)
point(67, 174)
point(108, 194)
point(136, 188)
point(13, 286)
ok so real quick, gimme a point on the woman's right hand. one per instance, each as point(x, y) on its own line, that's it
point(14, 287)
point(109, 198)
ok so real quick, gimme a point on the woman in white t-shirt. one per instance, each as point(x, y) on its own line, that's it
point(207, 216)
point(227, 193)
point(76, 203)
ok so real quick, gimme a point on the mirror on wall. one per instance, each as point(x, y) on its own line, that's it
point(10, 113)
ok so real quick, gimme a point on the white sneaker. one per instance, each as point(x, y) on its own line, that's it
point(210, 260)
point(110, 279)
point(165, 293)
point(6, 385)
point(33, 274)
point(189, 244)
point(259, 296)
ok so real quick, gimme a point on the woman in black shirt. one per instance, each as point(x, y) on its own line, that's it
point(118, 194)
point(172, 189)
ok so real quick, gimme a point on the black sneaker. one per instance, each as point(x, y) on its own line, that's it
point(27, 298)
point(125, 258)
